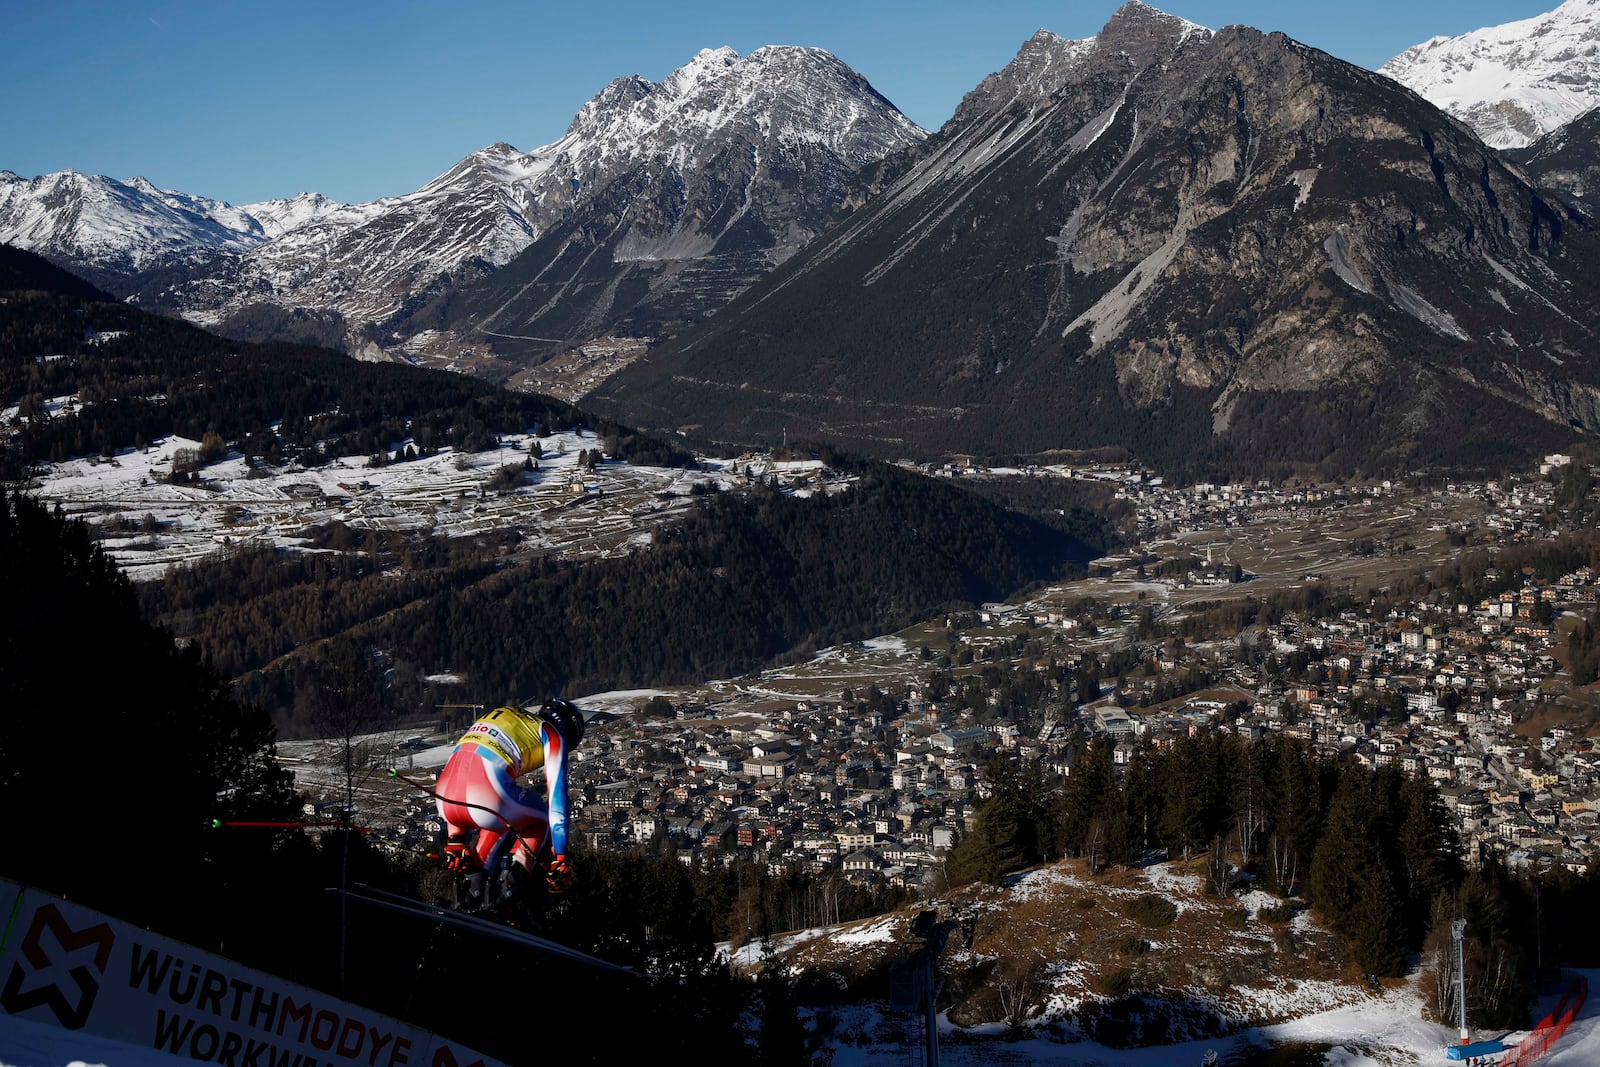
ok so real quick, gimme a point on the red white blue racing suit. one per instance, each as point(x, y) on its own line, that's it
point(478, 788)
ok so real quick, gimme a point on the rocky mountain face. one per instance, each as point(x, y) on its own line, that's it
point(659, 203)
point(1515, 82)
point(361, 263)
point(1566, 158)
point(672, 198)
point(1224, 251)
point(1046, 63)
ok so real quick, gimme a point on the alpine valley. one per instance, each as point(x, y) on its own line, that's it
point(1115, 578)
point(1219, 252)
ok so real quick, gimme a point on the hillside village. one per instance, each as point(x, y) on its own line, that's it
point(879, 783)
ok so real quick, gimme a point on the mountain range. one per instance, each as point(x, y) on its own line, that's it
point(1225, 251)
point(660, 202)
point(107, 229)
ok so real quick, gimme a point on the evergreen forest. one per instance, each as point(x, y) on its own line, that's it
point(746, 580)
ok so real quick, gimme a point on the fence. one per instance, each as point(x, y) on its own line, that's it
point(1542, 1038)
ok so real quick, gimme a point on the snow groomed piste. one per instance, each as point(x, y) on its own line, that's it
point(1542, 1039)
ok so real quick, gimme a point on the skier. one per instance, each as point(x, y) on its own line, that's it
point(478, 794)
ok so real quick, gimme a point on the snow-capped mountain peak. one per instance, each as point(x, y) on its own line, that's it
point(278, 216)
point(1514, 82)
point(117, 226)
point(500, 164)
point(749, 155)
point(805, 93)
point(707, 64)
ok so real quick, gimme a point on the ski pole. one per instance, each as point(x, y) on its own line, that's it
point(276, 824)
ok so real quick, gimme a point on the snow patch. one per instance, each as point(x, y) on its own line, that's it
point(1414, 305)
point(1304, 180)
point(1338, 248)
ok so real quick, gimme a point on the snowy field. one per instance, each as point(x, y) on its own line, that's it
point(1381, 1032)
point(560, 507)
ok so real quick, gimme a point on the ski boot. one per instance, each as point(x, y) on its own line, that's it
point(472, 890)
point(468, 879)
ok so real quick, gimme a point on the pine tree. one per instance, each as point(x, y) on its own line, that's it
point(1337, 882)
point(1087, 795)
point(1375, 923)
point(1429, 852)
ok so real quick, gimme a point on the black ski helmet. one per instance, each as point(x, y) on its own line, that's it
point(567, 720)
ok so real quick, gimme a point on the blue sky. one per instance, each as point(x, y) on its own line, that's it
point(243, 101)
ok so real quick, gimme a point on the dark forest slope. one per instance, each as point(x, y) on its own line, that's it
point(139, 377)
point(744, 582)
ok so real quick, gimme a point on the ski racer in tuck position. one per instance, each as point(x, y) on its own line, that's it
point(489, 814)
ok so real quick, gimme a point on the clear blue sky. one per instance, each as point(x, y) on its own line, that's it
point(243, 101)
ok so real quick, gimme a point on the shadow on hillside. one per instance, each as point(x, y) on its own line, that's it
point(1289, 1054)
point(1140, 1020)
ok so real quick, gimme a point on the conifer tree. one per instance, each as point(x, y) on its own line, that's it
point(1337, 880)
point(1087, 795)
point(165, 740)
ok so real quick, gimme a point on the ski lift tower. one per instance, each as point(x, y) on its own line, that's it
point(913, 985)
point(1458, 929)
point(1468, 1049)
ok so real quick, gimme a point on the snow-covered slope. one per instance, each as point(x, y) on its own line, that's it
point(100, 222)
point(1514, 82)
point(107, 229)
point(364, 259)
point(278, 216)
point(368, 262)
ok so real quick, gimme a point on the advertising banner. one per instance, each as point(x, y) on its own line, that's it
point(69, 966)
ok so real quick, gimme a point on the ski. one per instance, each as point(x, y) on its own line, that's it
point(395, 902)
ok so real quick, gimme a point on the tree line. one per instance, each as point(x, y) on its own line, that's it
point(1374, 853)
point(742, 582)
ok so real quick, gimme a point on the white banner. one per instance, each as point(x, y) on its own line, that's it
point(75, 968)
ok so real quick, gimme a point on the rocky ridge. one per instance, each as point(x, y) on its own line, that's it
point(1209, 248)
point(1567, 158)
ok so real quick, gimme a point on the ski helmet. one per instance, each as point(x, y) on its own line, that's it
point(567, 720)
